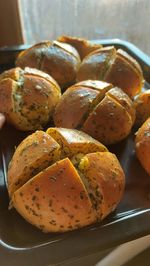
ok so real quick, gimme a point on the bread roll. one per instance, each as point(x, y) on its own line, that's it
point(83, 46)
point(114, 66)
point(142, 107)
point(97, 108)
point(60, 60)
point(142, 142)
point(28, 97)
point(64, 180)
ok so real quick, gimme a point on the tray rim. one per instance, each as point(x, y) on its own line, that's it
point(44, 249)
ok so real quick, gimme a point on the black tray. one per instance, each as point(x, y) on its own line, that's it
point(22, 244)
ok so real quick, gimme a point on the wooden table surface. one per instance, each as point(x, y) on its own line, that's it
point(92, 19)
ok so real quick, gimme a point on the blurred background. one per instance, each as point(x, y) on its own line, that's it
point(30, 21)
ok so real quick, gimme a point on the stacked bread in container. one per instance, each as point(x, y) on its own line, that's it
point(65, 178)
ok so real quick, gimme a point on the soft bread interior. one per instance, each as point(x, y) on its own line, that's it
point(93, 193)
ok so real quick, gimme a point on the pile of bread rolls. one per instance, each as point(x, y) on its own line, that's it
point(65, 178)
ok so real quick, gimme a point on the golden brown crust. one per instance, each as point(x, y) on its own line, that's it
point(28, 97)
point(130, 60)
point(114, 66)
point(124, 100)
point(142, 142)
point(38, 73)
point(55, 194)
point(6, 96)
point(67, 48)
point(94, 84)
point(32, 56)
point(77, 102)
point(104, 174)
point(125, 74)
point(47, 150)
point(59, 60)
point(104, 112)
point(109, 122)
point(61, 203)
point(9, 103)
point(95, 65)
point(142, 107)
point(12, 74)
point(83, 46)
point(74, 141)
